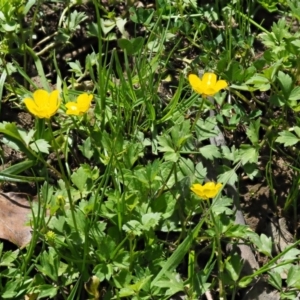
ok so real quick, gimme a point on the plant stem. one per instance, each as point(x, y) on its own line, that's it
point(63, 174)
point(222, 294)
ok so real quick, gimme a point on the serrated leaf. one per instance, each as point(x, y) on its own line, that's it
point(248, 154)
point(165, 144)
point(79, 178)
point(8, 257)
point(28, 137)
point(86, 148)
point(291, 254)
point(275, 280)
point(200, 172)
point(286, 83)
point(287, 138)
point(295, 94)
point(150, 220)
point(11, 133)
point(107, 25)
point(297, 130)
point(266, 245)
point(76, 67)
point(233, 266)
point(253, 131)
point(229, 177)
point(40, 146)
point(293, 277)
point(210, 152)
point(133, 227)
point(221, 205)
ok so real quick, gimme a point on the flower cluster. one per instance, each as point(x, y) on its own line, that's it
point(206, 191)
point(208, 85)
point(44, 105)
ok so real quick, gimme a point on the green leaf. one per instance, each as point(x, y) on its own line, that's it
point(164, 204)
point(287, 138)
point(176, 258)
point(86, 148)
point(133, 227)
point(79, 178)
point(233, 266)
point(275, 280)
point(265, 245)
point(141, 15)
point(229, 177)
point(172, 283)
point(200, 172)
point(47, 290)
point(131, 46)
point(8, 258)
point(18, 168)
point(107, 25)
point(290, 255)
point(221, 205)
point(286, 83)
point(150, 220)
point(165, 143)
point(245, 281)
point(206, 128)
point(75, 67)
point(11, 133)
point(103, 271)
point(293, 277)
point(251, 170)
point(40, 146)
point(297, 130)
point(253, 131)
point(257, 80)
point(39, 68)
point(295, 94)
point(19, 178)
point(49, 264)
point(210, 152)
point(248, 154)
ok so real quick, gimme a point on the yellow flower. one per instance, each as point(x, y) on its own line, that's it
point(208, 85)
point(43, 105)
point(206, 191)
point(81, 105)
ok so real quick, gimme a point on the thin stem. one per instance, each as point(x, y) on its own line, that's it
point(219, 258)
point(64, 177)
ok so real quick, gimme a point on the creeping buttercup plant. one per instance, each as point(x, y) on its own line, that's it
point(130, 172)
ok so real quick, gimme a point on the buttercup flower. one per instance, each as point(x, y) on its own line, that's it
point(43, 105)
point(208, 85)
point(206, 191)
point(81, 105)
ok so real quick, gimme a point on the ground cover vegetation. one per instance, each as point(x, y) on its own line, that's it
point(149, 149)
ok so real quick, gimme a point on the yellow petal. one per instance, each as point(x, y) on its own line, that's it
point(198, 190)
point(53, 99)
point(31, 106)
point(221, 84)
point(218, 186)
point(72, 108)
point(211, 193)
point(209, 79)
point(209, 185)
point(209, 91)
point(84, 102)
point(196, 83)
point(41, 97)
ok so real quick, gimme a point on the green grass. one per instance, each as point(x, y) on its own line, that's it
point(115, 217)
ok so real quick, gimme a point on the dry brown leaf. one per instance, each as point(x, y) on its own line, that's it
point(14, 215)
